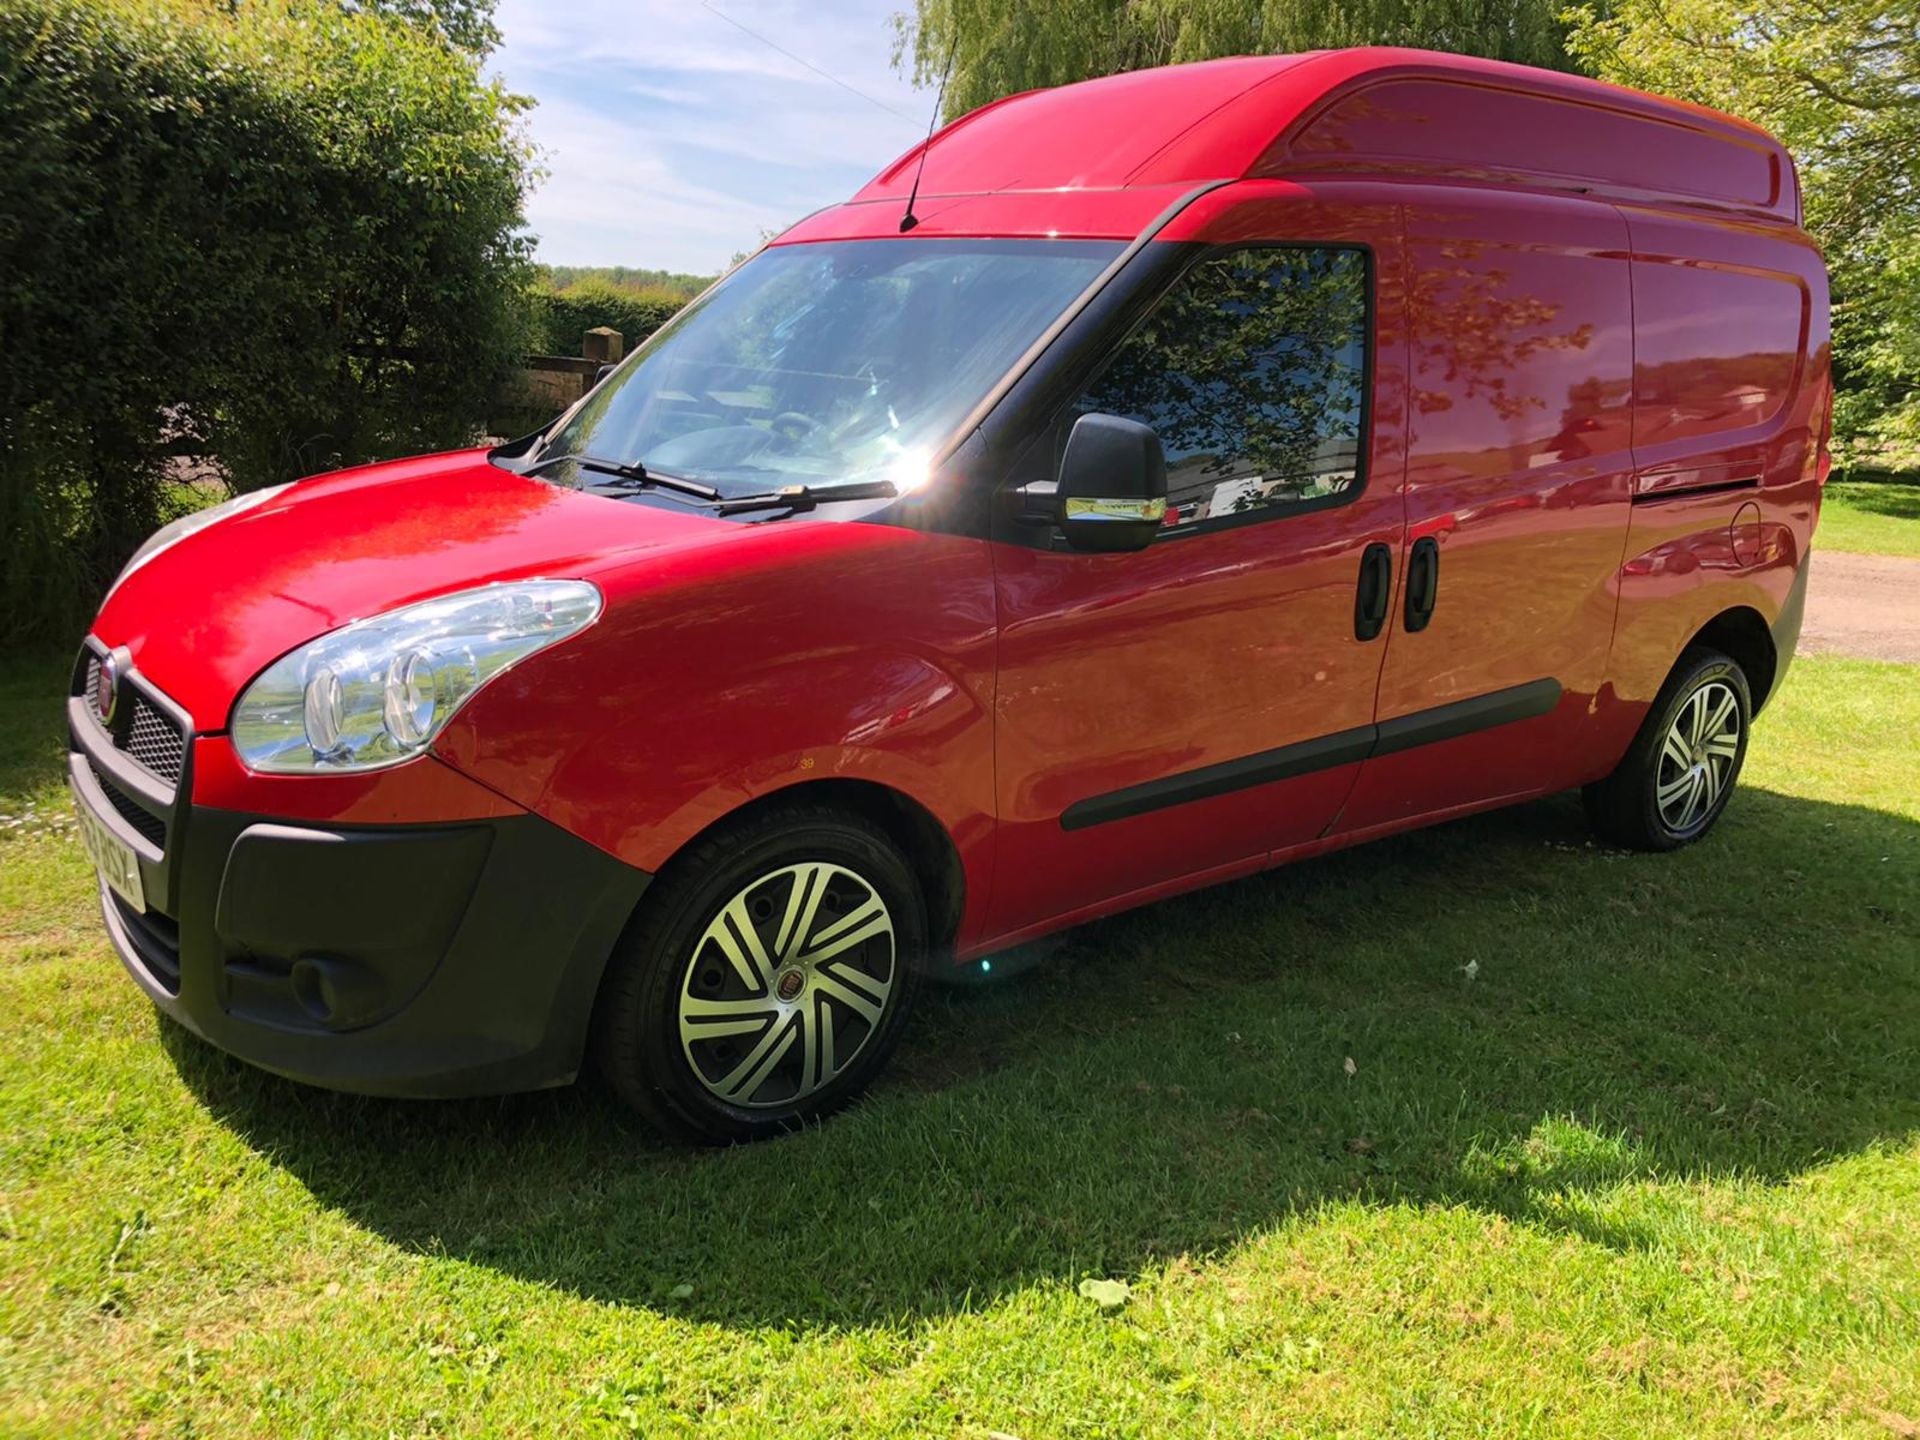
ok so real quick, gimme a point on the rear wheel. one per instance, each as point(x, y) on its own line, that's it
point(766, 979)
point(1680, 771)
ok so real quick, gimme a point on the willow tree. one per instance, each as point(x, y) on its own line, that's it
point(1002, 46)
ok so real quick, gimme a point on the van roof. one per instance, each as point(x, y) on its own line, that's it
point(1371, 111)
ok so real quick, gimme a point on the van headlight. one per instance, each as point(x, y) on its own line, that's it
point(376, 692)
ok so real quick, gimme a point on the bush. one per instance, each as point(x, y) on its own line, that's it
point(563, 316)
point(281, 234)
point(624, 277)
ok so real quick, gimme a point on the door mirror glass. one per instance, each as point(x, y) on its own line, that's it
point(1113, 484)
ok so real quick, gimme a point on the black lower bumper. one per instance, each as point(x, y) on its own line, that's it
point(401, 960)
point(1786, 626)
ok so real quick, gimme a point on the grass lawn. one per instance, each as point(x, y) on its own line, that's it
point(1627, 1145)
point(1874, 517)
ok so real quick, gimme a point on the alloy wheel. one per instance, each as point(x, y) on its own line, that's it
point(1697, 757)
point(786, 985)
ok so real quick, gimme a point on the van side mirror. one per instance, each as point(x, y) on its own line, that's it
point(1112, 491)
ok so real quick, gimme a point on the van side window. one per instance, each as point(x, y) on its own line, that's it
point(1252, 370)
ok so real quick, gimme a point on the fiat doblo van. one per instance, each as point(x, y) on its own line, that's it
point(1140, 484)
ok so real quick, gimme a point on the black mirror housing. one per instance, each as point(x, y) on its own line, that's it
point(1113, 484)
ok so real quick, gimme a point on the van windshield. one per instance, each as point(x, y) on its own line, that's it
point(828, 362)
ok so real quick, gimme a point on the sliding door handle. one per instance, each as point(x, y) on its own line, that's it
point(1375, 589)
point(1423, 582)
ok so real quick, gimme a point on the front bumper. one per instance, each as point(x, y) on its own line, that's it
point(408, 958)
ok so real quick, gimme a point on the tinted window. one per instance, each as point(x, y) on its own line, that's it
point(1253, 373)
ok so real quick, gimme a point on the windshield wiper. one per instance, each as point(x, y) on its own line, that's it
point(787, 497)
point(805, 497)
point(635, 473)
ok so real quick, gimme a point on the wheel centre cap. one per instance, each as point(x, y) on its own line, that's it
point(788, 985)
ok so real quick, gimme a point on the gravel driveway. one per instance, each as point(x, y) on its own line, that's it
point(1864, 605)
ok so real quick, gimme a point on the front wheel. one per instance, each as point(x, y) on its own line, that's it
point(1680, 771)
point(766, 978)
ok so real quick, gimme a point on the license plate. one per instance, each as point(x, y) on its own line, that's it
point(111, 856)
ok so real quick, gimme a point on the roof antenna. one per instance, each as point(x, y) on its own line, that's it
point(909, 220)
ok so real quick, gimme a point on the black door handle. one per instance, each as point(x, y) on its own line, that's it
point(1370, 600)
point(1423, 582)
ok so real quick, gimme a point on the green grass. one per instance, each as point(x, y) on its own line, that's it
point(1630, 1145)
point(1873, 517)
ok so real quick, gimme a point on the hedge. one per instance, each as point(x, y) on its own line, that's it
point(561, 317)
point(271, 231)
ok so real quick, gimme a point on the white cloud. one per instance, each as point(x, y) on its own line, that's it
point(673, 139)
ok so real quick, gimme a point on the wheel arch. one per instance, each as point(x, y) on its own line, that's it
point(928, 848)
point(1743, 634)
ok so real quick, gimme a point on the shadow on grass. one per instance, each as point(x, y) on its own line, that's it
point(33, 737)
point(1895, 496)
point(1174, 1081)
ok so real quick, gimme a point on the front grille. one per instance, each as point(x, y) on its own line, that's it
point(144, 728)
point(131, 810)
point(155, 741)
point(155, 940)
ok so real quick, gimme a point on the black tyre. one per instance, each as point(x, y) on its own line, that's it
point(1680, 770)
point(766, 977)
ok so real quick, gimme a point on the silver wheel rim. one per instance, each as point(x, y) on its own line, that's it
point(787, 985)
point(1697, 757)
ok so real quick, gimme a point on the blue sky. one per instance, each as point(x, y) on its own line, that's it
point(672, 139)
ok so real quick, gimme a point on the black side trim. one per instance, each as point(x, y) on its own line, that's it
point(1324, 752)
point(1692, 492)
point(1463, 717)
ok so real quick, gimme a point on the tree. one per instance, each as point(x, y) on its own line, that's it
point(1839, 82)
point(999, 47)
point(466, 25)
point(272, 233)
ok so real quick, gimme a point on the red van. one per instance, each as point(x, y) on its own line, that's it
point(1141, 484)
